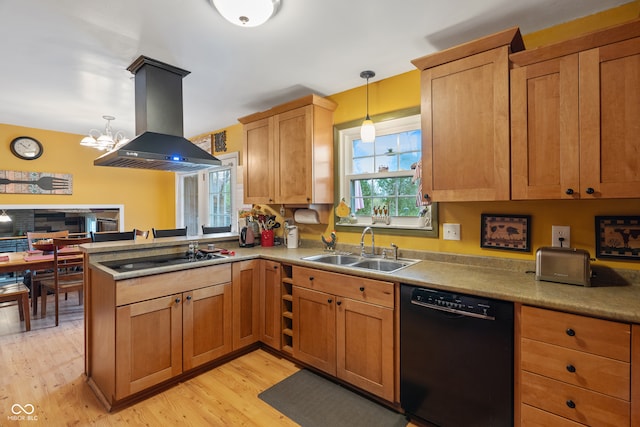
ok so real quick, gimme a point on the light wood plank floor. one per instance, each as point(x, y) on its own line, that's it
point(44, 368)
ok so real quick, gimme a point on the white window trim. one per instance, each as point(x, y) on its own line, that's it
point(346, 137)
point(229, 160)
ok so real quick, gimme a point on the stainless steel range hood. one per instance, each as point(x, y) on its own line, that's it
point(159, 143)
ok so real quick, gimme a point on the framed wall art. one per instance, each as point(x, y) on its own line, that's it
point(508, 232)
point(618, 237)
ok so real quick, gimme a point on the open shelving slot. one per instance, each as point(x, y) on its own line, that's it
point(287, 308)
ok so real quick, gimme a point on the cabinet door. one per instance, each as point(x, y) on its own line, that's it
point(314, 329)
point(545, 162)
point(207, 327)
point(246, 303)
point(293, 132)
point(258, 161)
point(465, 122)
point(149, 343)
point(609, 121)
point(270, 307)
point(364, 346)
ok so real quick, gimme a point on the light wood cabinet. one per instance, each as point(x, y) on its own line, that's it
point(574, 109)
point(246, 303)
point(344, 326)
point(270, 304)
point(150, 329)
point(572, 368)
point(288, 153)
point(465, 119)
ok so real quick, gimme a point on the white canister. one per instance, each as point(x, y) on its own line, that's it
point(292, 237)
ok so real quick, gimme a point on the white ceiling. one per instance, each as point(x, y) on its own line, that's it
point(64, 61)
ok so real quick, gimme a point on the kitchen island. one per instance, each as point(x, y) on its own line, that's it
point(613, 297)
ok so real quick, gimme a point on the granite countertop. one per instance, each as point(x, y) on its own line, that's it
point(611, 295)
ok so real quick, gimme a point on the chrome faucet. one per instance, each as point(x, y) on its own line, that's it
point(373, 242)
point(395, 251)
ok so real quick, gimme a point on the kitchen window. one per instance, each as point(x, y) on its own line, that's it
point(382, 178)
point(209, 197)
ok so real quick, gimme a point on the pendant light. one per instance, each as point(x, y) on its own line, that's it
point(367, 130)
point(4, 217)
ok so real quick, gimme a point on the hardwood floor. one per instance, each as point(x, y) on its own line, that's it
point(44, 368)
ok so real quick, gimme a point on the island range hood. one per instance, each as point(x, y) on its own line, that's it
point(159, 143)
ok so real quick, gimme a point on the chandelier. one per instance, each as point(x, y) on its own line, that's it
point(107, 140)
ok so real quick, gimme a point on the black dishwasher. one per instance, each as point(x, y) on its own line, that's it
point(456, 358)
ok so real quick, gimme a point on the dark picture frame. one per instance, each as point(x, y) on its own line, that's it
point(618, 237)
point(506, 232)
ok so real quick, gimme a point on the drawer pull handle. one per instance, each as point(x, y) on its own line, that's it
point(188, 297)
point(569, 191)
point(275, 267)
point(571, 368)
point(329, 300)
point(571, 404)
point(338, 302)
point(361, 288)
point(311, 278)
point(571, 332)
point(177, 300)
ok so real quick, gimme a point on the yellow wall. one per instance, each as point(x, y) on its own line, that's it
point(148, 196)
point(403, 91)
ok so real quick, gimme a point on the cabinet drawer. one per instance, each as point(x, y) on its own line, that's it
point(534, 417)
point(586, 370)
point(590, 408)
point(601, 337)
point(148, 287)
point(357, 288)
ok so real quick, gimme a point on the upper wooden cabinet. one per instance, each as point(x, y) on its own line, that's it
point(288, 153)
point(574, 109)
point(465, 119)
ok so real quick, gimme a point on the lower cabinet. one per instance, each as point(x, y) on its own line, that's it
point(165, 336)
point(246, 303)
point(573, 370)
point(146, 330)
point(344, 326)
point(270, 304)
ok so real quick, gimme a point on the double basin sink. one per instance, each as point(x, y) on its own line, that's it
point(384, 265)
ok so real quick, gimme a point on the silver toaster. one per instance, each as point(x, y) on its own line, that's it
point(563, 265)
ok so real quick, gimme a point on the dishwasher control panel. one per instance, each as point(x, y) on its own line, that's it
point(454, 303)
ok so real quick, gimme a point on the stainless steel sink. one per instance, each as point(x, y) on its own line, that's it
point(383, 265)
point(335, 259)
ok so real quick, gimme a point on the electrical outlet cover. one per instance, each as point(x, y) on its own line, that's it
point(451, 231)
point(561, 231)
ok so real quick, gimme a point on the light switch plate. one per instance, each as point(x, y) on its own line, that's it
point(451, 231)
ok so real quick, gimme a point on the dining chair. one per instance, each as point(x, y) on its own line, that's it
point(212, 230)
point(37, 276)
point(141, 233)
point(34, 236)
point(169, 232)
point(20, 293)
point(112, 236)
point(68, 272)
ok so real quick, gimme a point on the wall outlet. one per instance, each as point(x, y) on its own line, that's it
point(561, 236)
point(451, 231)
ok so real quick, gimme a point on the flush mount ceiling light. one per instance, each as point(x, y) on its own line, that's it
point(367, 130)
point(106, 141)
point(247, 13)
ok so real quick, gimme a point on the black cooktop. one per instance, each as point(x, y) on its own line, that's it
point(136, 264)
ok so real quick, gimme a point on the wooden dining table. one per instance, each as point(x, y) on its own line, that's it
point(34, 261)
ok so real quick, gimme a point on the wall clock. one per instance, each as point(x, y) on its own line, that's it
point(26, 148)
